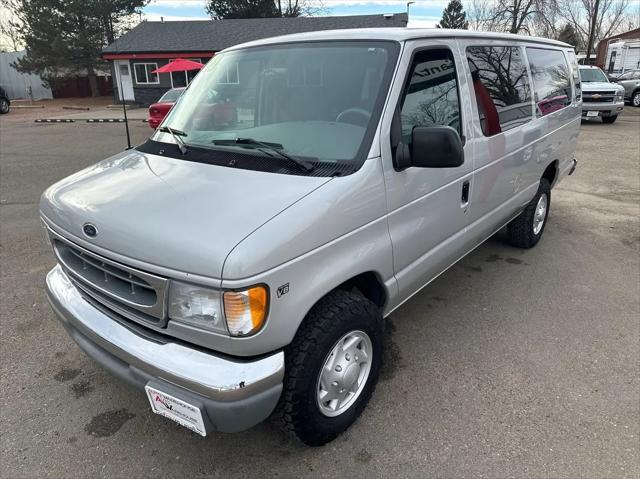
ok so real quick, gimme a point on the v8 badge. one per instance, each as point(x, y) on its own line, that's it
point(282, 290)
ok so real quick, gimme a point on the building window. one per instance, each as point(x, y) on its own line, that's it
point(431, 95)
point(230, 76)
point(183, 78)
point(501, 86)
point(305, 75)
point(551, 80)
point(144, 75)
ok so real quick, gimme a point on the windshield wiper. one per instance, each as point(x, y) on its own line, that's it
point(266, 148)
point(176, 134)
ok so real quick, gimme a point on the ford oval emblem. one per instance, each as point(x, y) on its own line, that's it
point(90, 230)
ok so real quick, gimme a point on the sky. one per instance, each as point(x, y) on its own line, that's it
point(423, 13)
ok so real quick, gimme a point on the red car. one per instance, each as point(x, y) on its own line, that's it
point(159, 110)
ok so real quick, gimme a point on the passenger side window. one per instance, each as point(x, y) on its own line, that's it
point(431, 96)
point(502, 89)
point(551, 82)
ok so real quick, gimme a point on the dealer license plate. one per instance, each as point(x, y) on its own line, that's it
point(592, 113)
point(177, 410)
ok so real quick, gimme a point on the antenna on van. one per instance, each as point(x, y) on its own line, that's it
point(119, 80)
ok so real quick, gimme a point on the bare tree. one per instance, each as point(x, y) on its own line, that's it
point(9, 28)
point(593, 20)
point(512, 16)
point(297, 8)
point(481, 16)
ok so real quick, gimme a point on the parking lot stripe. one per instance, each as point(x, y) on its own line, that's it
point(105, 120)
point(55, 120)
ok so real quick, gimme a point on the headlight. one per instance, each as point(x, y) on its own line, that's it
point(619, 96)
point(197, 306)
point(238, 313)
point(246, 310)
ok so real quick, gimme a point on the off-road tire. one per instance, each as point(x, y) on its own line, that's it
point(331, 318)
point(609, 119)
point(520, 231)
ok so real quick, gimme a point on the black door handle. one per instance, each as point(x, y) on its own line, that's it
point(465, 193)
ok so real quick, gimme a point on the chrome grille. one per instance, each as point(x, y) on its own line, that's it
point(132, 293)
point(598, 96)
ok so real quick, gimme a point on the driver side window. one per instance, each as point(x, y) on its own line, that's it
point(431, 95)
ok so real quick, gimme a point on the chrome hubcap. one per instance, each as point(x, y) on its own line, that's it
point(540, 214)
point(344, 373)
point(636, 99)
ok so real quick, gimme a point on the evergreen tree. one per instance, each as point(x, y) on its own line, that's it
point(219, 9)
point(64, 38)
point(569, 35)
point(454, 16)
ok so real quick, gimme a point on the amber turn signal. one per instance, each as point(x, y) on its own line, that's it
point(246, 311)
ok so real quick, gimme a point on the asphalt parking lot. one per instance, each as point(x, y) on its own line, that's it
point(512, 364)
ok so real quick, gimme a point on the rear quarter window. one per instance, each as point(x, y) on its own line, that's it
point(575, 73)
point(551, 80)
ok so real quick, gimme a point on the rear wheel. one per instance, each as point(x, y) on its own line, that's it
point(635, 99)
point(331, 367)
point(526, 230)
point(609, 119)
point(4, 106)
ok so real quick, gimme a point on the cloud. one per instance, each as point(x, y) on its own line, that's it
point(423, 21)
point(177, 4)
point(156, 17)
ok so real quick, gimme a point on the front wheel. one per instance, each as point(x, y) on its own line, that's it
point(331, 367)
point(526, 230)
point(635, 99)
point(609, 119)
point(4, 106)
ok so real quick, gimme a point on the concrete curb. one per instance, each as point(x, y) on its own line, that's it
point(119, 107)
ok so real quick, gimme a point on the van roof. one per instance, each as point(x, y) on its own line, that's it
point(399, 35)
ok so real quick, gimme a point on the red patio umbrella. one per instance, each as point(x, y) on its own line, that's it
point(179, 65)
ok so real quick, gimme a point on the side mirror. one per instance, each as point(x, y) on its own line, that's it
point(431, 147)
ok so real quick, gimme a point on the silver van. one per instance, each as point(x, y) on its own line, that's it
point(240, 263)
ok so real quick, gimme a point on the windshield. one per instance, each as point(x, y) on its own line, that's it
point(314, 101)
point(171, 95)
point(589, 75)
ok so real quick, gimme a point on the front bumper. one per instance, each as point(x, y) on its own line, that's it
point(233, 394)
point(603, 109)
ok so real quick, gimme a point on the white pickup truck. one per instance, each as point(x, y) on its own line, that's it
point(600, 97)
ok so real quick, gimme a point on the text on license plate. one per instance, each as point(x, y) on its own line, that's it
point(592, 113)
point(176, 409)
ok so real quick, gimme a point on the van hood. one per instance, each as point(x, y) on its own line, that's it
point(173, 213)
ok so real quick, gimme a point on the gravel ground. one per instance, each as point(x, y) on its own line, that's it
point(513, 363)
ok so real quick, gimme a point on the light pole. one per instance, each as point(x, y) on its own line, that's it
point(408, 5)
